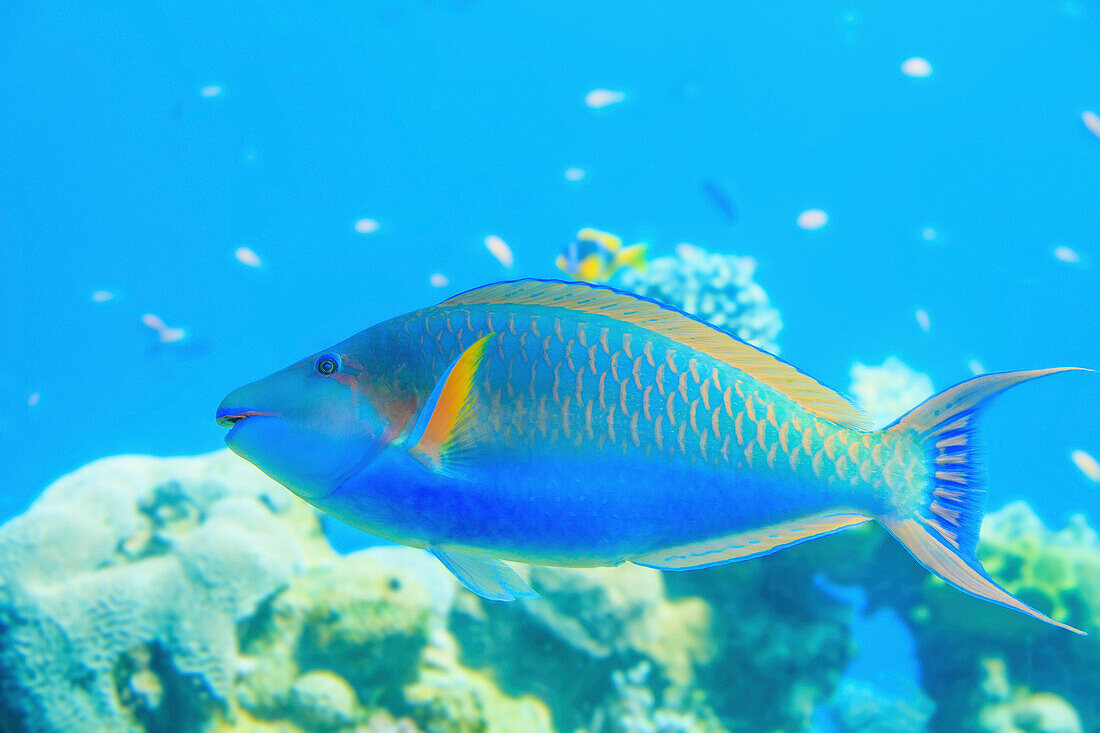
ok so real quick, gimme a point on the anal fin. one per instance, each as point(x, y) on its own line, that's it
point(748, 544)
point(485, 576)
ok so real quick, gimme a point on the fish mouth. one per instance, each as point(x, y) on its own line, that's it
point(229, 417)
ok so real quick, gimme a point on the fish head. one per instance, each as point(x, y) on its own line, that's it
point(308, 426)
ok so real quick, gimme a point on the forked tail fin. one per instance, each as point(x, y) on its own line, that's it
point(943, 533)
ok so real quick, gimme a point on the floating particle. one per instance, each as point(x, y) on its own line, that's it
point(167, 335)
point(976, 367)
point(153, 321)
point(246, 256)
point(720, 199)
point(1092, 122)
point(210, 91)
point(438, 280)
point(1066, 254)
point(33, 397)
point(367, 226)
point(923, 320)
point(600, 98)
point(102, 296)
point(719, 289)
point(916, 67)
point(889, 390)
point(499, 248)
point(172, 335)
point(1086, 464)
point(575, 174)
point(929, 234)
point(812, 219)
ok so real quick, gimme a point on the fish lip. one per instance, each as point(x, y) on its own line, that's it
point(228, 417)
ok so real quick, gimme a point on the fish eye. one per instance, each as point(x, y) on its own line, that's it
point(327, 364)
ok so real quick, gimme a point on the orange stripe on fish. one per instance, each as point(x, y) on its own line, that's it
point(442, 427)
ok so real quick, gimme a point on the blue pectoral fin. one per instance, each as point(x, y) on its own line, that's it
point(487, 577)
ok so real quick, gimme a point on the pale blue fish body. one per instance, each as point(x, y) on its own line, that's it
point(591, 428)
point(588, 434)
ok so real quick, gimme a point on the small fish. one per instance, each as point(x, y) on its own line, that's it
point(1086, 464)
point(596, 256)
point(600, 98)
point(923, 319)
point(499, 248)
point(1092, 122)
point(720, 200)
point(570, 424)
point(246, 256)
point(168, 334)
point(812, 219)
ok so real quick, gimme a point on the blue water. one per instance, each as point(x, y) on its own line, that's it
point(449, 121)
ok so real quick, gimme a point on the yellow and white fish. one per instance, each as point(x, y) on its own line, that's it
point(596, 256)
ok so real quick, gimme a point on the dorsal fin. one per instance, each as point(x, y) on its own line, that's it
point(807, 392)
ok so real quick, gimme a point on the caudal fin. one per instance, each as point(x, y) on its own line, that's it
point(943, 533)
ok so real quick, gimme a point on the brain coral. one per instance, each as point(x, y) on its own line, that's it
point(123, 584)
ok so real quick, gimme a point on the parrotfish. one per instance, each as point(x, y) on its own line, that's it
point(596, 256)
point(571, 424)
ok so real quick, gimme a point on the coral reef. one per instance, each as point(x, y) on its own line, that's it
point(1010, 709)
point(123, 584)
point(889, 390)
point(863, 708)
point(195, 594)
point(1057, 572)
point(718, 288)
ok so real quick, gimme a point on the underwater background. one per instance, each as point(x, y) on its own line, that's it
point(893, 196)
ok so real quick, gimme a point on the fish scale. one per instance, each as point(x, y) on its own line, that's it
point(569, 424)
point(637, 395)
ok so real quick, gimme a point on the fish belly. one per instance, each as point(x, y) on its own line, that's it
point(561, 512)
